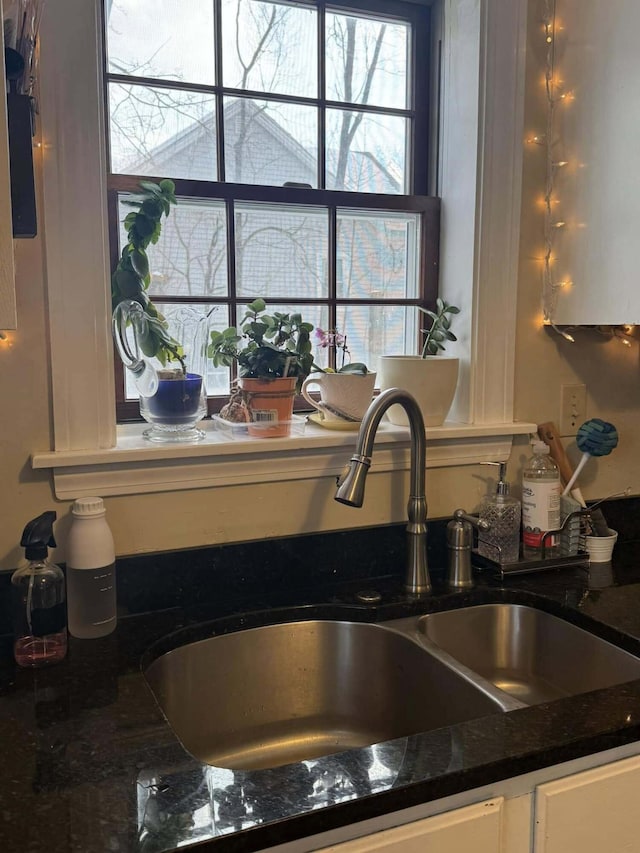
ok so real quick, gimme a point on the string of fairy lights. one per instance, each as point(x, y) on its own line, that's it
point(556, 95)
point(551, 286)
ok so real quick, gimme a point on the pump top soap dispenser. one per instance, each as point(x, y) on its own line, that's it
point(501, 543)
point(38, 599)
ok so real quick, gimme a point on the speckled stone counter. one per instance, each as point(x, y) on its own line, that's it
point(89, 764)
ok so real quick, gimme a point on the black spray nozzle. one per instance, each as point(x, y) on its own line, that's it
point(38, 536)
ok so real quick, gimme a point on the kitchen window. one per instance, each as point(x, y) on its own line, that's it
point(297, 135)
point(483, 49)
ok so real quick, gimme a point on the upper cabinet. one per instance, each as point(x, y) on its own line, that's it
point(8, 319)
point(594, 222)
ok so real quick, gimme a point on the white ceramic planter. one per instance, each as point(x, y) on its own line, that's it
point(432, 381)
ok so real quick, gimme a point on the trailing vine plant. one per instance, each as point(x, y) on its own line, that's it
point(131, 277)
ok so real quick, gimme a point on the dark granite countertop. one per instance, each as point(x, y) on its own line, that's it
point(90, 765)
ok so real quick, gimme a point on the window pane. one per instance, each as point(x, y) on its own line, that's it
point(280, 250)
point(378, 330)
point(162, 132)
point(366, 152)
point(159, 40)
point(269, 47)
point(366, 61)
point(190, 259)
point(315, 314)
point(191, 324)
point(377, 255)
point(268, 142)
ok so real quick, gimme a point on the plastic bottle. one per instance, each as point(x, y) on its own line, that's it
point(38, 599)
point(501, 543)
point(91, 575)
point(541, 490)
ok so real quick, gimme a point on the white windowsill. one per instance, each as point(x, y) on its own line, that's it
point(136, 466)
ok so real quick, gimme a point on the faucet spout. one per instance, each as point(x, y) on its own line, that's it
point(351, 482)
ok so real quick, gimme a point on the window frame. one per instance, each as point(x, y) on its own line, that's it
point(427, 206)
point(481, 171)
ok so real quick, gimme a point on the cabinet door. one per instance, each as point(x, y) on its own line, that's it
point(591, 812)
point(476, 828)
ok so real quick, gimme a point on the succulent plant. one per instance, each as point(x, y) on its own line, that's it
point(267, 346)
point(440, 330)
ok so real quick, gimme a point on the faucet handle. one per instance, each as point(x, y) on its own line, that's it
point(459, 544)
point(478, 523)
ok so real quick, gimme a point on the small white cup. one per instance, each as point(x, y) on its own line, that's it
point(343, 396)
point(600, 548)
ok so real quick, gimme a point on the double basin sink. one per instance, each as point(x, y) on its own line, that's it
point(272, 695)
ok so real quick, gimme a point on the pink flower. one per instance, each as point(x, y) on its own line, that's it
point(323, 338)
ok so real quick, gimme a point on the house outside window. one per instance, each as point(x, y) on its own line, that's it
point(297, 136)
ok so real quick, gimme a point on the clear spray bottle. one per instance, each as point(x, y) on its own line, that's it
point(38, 599)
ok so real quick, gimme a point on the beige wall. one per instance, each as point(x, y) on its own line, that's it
point(188, 519)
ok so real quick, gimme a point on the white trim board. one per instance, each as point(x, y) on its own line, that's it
point(138, 467)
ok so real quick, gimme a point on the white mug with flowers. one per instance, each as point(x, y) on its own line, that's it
point(345, 391)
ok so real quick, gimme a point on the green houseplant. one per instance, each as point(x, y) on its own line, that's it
point(440, 329)
point(430, 377)
point(131, 278)
point(171, 400)
point(274, 356)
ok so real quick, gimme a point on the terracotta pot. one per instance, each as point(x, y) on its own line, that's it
point(432, 381)
point(270, 404)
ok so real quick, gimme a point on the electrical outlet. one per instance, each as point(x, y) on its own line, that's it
point(573, 408)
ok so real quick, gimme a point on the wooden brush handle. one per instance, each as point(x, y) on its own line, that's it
point(549, 434)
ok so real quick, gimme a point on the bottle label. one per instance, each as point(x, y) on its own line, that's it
point(540, 510)
point(91, 595)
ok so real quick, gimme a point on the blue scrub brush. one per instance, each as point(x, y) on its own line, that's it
point(594, 438)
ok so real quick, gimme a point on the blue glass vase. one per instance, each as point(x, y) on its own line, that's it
point(171, 400)
point(176, 408)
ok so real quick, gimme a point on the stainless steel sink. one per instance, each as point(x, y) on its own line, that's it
point(531, 655)
point(272, 695)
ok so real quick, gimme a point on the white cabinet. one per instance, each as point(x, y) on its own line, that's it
point(476, 827)
point(591, 812)
point(596, 133)
point(553, 810)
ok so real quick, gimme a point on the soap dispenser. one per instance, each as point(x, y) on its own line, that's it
point(38, 599)
point(501, 543)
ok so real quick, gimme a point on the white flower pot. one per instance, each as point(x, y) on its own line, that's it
point(432, 381)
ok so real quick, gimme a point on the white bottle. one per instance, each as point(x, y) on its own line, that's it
point(541, 490)
point(91, 575)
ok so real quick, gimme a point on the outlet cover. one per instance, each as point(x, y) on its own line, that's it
point(573, 408)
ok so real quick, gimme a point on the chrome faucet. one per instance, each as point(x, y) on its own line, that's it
point(352, 480)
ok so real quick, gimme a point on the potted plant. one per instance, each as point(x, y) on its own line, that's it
point(172, 400)
point(274, 357)
point(345, 391)
point(430, 377)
